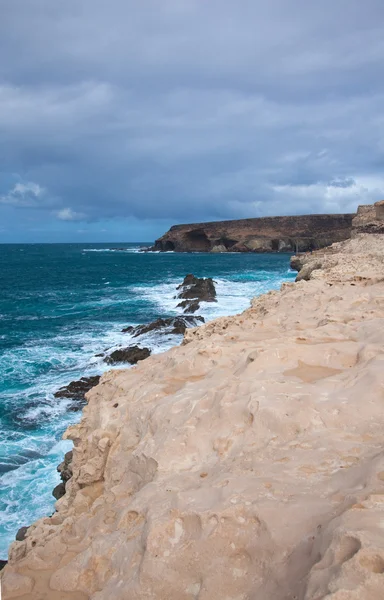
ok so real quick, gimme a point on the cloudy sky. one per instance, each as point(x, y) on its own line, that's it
point(120, 118)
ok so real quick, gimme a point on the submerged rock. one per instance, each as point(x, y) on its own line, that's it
point(173, 325)
point(130, 355)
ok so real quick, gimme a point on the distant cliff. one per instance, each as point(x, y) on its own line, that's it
point(266, 234)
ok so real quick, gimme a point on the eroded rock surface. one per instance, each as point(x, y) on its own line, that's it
point(246, 464)
point(266, 234)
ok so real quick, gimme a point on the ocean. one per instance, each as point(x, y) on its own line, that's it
point(60, 305)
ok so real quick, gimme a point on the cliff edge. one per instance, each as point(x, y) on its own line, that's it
point(267, 234)
point(247, 463)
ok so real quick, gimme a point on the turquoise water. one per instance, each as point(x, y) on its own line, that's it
point(60, 304)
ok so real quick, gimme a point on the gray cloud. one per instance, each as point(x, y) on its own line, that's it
point(190, 110)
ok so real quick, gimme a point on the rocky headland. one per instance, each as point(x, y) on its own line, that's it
point(246, 464)
point(268, 234)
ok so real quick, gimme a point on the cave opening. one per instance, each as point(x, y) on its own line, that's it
point(198, 240)
point(169, 246)
point(227, 242)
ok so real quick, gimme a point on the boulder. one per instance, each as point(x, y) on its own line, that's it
point(21, 534)
point(172, 325)
point(196, 290)
point(59, 491)
point(219, 248)
point(3, 563)
point(297, 262)
point(130, 355)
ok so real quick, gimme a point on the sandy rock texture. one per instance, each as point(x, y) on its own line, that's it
point(247, 464)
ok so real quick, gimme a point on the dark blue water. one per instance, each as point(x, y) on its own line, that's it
point(62, 304)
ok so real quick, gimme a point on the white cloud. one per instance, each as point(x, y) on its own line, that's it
point(339, 195)
point(67, 214)
point(23, 195)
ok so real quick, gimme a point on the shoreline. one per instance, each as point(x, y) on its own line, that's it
point(226, 440)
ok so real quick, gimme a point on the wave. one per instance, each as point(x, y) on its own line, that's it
point(134, 250)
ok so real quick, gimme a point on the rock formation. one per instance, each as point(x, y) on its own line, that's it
point(267, 234)
point(171, 325)
point(246, 464)
point(194, 290)
point(131, 355)
point(76, 390)
point(369, 219)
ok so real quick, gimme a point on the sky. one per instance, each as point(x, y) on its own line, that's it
point(121, 118)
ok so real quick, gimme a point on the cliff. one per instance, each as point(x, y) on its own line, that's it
point(247, 463)
point(267, 234)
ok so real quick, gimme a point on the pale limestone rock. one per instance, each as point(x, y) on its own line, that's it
point(247, 463)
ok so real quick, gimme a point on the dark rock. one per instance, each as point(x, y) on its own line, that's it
point(194, 290)
point(174, 325)
point(299, 233)
point(189, 306)
point(59, 491)
point(65, 470)
point(3, 563)
point(198, 288)
point(77, 389)
point(21, 534)
point(130, 355)
point(129, 329)
point(65, 467)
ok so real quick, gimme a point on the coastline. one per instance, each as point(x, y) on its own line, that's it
point(249, 444)
point(43, 351)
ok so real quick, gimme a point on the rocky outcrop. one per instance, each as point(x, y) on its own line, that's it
point(194, 290)
point(247, 463)
point(131, 355)
point(171, 325)
point(266, 234)
point(76, 390)
point(369, 219)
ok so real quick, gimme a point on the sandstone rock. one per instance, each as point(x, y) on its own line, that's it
point(219, 248)
point(296, 262)
point(132, 355)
